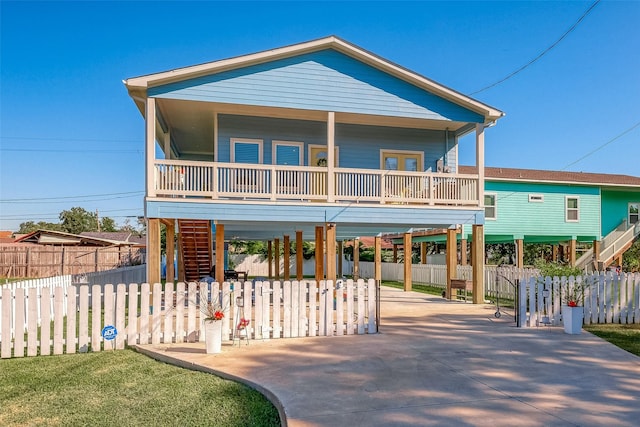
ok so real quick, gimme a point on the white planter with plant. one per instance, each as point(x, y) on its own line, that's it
point(213, 336)
point(212, 314)
point(572, 297)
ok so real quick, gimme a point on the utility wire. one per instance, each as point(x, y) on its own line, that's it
point(602, 146)
point(48, 150)
point(544, 52)
point(71, 197)
point(504, 196)
point(41, 138)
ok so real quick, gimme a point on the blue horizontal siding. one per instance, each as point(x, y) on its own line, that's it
point(326, 80)
point(359, 146)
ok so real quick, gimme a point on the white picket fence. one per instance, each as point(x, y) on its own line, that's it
point(145, 313)
point(608, 298)
point(499, 281)
point(134, 274)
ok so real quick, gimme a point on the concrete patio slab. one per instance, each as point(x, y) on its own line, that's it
point(434, 362)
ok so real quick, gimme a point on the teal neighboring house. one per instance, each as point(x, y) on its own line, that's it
point(561, 208)
point(322, 140)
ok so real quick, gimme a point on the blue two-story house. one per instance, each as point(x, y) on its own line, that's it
point(321, 135)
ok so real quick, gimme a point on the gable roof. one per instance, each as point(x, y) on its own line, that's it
point(120, 236)
point(50, 237)
point(535, 175)
point(137, 86)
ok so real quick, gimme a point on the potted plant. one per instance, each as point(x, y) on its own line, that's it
point(572, 297)
point(571, 293)
point(213, 313)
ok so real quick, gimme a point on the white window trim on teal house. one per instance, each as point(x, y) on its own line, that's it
point(408, 153)
point(636, 214)
point(235, 141)
point(274, 150)
point(494, 206)
point(310, 148)
point(567, 209)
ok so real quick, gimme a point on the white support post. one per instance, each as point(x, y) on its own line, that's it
point(331, 157)
point(167, 145)
point(215, 137)
point(480, 162)
point(150, 144)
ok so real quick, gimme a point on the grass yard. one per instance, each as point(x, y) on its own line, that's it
point(123, 388)
point(626, 337)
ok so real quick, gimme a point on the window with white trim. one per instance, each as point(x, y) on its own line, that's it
point(572, 209)
point(633, 213)
point(490, 206)
point(287, 153)
point(246, 150)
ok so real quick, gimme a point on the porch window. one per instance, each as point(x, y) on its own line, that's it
point(410, 161)
point(287, 153)
point(572, 209)
point(490, 206)
point(246, 150)
point(318, 155)
point(633, 213)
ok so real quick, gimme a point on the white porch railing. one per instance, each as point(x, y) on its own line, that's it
point(310, 184)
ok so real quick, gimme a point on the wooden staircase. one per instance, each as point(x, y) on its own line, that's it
point(195, 249)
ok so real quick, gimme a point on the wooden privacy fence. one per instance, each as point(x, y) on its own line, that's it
point(155, 314)
point(47, 261)
point(608, 298)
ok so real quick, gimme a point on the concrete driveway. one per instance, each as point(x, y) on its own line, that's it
point(435, 362)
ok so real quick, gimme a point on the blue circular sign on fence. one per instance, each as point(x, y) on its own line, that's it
point(109, 332)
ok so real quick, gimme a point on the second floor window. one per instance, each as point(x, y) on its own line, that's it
point(633, 213)
point(572, 209)
point(490, 206)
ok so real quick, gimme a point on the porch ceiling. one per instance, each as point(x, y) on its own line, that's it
point(191, 124)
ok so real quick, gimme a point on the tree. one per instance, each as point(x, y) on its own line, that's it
point(77, 220)
point(631, 258)
point(30, 227)
point(108, 225)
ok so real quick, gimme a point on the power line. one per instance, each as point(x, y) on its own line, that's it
point(49, 150)
point(602, 146)
point(57, 214)
point(71, 197)
point(615, 138)
point(38, 138)
point(544, 52)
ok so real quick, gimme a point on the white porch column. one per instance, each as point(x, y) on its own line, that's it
point(215, 137)
point(167, 145)
point(331, 156)
point(480, 161)
point(150, 145)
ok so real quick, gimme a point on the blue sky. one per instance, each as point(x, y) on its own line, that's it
point(71, 136)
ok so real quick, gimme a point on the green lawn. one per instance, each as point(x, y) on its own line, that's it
point(123, 388)
point(626, 337)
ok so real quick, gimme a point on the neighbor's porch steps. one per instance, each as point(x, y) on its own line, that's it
point(195, 247)
point(613, 245)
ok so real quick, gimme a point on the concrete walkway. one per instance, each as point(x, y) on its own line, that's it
point(435, 362)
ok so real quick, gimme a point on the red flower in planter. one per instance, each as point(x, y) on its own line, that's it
point(572, 304)
point(218, 315)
